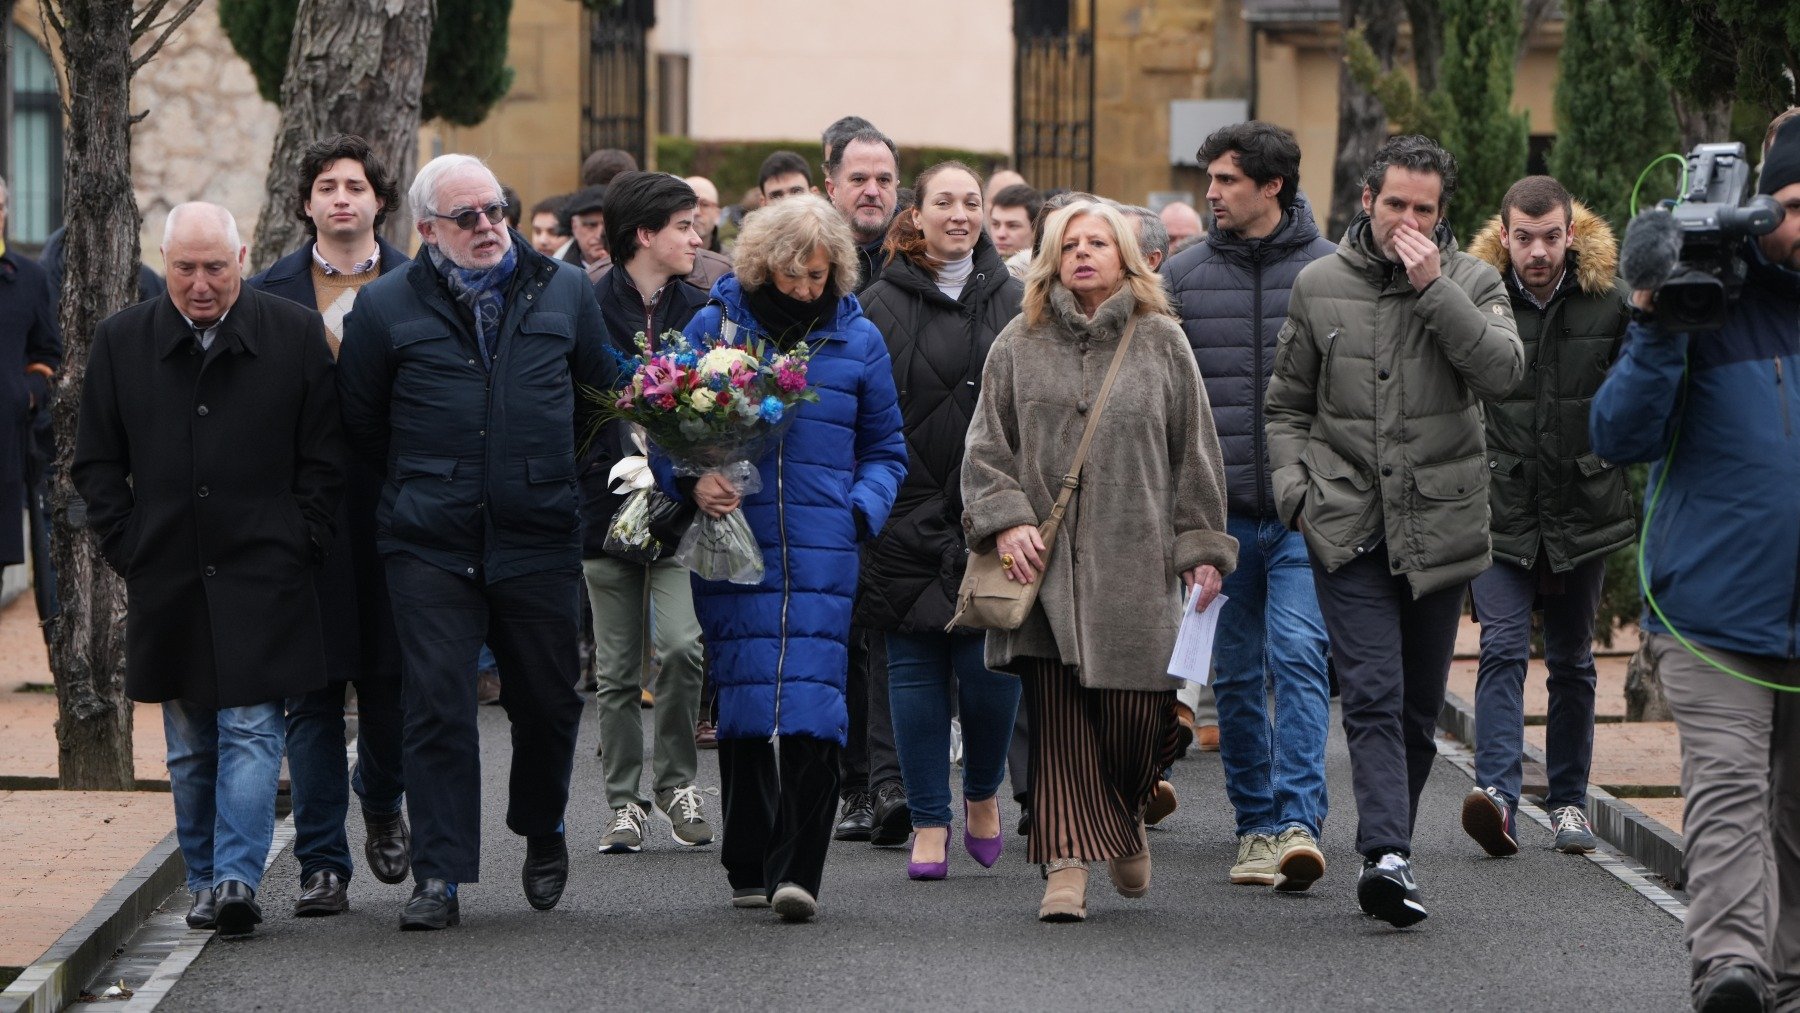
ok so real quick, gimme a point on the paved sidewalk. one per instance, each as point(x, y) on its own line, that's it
point(64, 849)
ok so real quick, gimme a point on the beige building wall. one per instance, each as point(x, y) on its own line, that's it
point(1297, 75)
point(927, 72)
point(532, 138)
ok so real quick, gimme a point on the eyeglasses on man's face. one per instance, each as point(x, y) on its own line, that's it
point(470, 220)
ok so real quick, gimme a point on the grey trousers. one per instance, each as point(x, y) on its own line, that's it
point(1740, 774)
point(1392, 653)
point(616, 592)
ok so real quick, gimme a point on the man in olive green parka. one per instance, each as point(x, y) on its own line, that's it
point(1377, 456)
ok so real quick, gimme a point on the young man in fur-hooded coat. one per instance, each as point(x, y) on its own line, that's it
point(1557, 509)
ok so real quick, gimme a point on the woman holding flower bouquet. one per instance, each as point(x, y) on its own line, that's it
point(1151, 501)
point(942, 298)
point(780, 645)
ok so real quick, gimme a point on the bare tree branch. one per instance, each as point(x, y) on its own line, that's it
point(147, 19)
point(54, 29)
point(188, 7)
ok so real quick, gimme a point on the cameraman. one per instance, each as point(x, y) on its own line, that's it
point(1715, 414)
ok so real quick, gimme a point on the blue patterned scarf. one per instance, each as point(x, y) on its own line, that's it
point(483, 292)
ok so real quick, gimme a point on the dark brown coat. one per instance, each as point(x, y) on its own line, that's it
point(211, 480)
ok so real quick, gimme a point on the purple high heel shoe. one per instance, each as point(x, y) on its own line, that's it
point(985, 850)
point(931, 870)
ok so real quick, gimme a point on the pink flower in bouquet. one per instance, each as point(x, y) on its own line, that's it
point(660, 381)
point(790, 381)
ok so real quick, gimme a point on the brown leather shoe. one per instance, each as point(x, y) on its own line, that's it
point(1184, 729)
point(706, 736)
point(1065, 892)
point(1130, 874)
point(487, 687)
point(1207, 738)
point(1162, 803)
point(324, 893)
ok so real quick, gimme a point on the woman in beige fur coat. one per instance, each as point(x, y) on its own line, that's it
point(1147, 520)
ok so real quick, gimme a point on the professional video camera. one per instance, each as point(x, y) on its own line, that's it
point(1688, 251)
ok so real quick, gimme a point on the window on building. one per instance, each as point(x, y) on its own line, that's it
point(35, 176)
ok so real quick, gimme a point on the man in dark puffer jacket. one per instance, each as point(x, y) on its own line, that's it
point(1231, 292)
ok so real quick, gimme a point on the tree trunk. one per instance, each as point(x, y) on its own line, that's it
point(1644, 699)
point(355, 67)
point(1702, 122)
point(1532, 15)
point(1362, 122)
point(1427, 20)
point(87, 644)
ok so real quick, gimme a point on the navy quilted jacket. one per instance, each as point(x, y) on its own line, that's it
point(780, 648)
point(1231, 294)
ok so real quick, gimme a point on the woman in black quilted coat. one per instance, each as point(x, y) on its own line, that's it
point(942, 298)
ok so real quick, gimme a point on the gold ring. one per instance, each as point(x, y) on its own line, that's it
point(1006, 560)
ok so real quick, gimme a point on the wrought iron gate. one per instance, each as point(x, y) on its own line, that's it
point(615, 98)
point(1053, 92)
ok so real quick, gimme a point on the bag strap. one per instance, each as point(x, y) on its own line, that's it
point(1072, 480)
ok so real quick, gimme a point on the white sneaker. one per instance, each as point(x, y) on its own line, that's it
point(793, 903)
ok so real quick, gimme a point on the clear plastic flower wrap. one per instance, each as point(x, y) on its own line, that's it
point(716, 406)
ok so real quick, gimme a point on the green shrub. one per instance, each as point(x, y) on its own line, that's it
point(732, 165)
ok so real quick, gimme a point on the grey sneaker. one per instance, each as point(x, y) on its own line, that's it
point(626, 834)
point(749, 896)
point(793, 903)
point(681, 808)
point(1256, 864)
point(1573, 835)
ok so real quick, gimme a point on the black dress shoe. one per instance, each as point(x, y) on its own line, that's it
point(388, 846)
point(1734, 988)
point(857, 819)
point(432, 906)
point(893, 820)
point(203, 913)
point(1024, 821)
point(546, 870)
point(238, 913)
point(324, 893)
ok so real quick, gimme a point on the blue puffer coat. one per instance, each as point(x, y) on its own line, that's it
point(780, 649)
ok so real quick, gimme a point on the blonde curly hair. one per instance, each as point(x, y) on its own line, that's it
point(1045, 272)
point(782, 237)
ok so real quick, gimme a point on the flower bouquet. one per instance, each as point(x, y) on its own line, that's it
point(713, 406)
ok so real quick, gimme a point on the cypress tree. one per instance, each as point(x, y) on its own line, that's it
point(1613, 114)
point(1474, 107)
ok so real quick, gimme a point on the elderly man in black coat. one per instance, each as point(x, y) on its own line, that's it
point(460, 376)
point(210, 454)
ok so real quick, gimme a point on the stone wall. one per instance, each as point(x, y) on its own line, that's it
point(1147, 52)
point(208, 134)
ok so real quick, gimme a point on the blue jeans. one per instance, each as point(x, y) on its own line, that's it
point(1505, 596)
point(920, 669)
point(1272, 638)
point(319, 768)
point(223, 768)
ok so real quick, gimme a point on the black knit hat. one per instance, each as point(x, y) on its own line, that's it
point(1781, 163)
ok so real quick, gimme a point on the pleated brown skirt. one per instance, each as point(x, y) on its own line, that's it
point(1096, 755)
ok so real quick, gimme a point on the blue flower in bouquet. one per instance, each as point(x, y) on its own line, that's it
point(687, 360)
point(771, 409)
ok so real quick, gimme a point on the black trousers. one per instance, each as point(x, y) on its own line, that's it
point(531, 623)
point(778, 810)
point(1392, 653)
point(869, 758)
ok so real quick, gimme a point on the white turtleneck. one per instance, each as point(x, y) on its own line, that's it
point(955, 274)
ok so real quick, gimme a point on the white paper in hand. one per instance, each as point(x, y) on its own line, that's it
point(1194, 642)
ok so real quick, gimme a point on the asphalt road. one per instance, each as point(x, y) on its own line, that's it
point(1540, 931)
